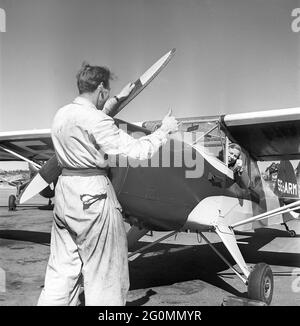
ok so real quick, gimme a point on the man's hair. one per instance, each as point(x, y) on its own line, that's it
point(235, 146)
point(90, 77)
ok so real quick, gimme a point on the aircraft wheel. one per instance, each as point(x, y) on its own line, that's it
point(261, 283)
point(12, 203)
point(292, 233)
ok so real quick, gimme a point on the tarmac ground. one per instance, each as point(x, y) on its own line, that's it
point(181, 271)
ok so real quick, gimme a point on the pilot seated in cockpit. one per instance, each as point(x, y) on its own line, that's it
point(235, 163)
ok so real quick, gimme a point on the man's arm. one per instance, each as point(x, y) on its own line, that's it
point(113, 102)
point(115, 141)
point(109, 106)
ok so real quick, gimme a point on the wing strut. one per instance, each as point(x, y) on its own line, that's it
point(277, 211)
point(21, 157)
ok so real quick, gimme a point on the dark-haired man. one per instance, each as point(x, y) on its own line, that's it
point(88, 238)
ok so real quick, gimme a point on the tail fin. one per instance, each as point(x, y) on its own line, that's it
point(287, 189)
point(286, 185)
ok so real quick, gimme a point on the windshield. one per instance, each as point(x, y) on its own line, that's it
point(207, 135)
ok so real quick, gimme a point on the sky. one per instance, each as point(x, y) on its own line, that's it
point(231, 56)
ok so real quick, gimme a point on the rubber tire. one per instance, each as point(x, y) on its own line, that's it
point(258, 277)
point(292, 233)
point(12, 203)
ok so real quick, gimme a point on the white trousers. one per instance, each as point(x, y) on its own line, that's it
point(88, 240)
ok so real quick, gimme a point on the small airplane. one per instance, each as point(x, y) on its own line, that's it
point(19, 183)
point(187, 185)
point(25, 146)
point(170, 198)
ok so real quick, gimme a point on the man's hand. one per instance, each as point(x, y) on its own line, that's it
point(110, 107)
point(169, 123)
point(125, 91)
point(238, 167)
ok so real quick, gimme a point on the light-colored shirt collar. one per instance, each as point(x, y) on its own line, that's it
point(84, 102)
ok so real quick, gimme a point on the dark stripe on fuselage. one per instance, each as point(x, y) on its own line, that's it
point(162, 197)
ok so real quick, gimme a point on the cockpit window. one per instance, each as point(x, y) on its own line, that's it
point(204, 133)
point(207, 135)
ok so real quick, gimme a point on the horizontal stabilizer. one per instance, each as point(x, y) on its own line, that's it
point(133, 235)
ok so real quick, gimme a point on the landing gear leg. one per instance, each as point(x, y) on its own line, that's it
point(259, 280)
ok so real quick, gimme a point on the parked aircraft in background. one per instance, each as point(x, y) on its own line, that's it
point(33, 147)
point(19, 183)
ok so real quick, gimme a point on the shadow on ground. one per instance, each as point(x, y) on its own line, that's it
point(28, 236)
point(166, 264)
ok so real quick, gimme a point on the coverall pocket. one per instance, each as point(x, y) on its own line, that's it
point(88, 200)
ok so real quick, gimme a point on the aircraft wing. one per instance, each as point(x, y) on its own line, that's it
point(36, 145)
point(33, 145)
point(266, 135)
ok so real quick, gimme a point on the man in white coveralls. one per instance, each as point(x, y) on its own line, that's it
point(88, 237)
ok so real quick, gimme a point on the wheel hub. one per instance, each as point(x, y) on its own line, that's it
point(267, 287)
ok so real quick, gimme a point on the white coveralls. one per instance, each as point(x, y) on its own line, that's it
point(88, 236)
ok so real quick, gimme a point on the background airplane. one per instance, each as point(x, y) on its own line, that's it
point(35, 148)
point(19, 183)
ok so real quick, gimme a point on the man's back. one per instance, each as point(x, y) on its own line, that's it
point(72, 135)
